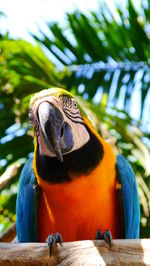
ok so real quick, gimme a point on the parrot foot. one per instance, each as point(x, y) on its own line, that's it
point(52, 240)
point(107, 237)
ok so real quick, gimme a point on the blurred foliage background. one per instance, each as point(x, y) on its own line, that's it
point(104, 60)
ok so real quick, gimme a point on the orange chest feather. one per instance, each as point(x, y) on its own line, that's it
point(79, 208)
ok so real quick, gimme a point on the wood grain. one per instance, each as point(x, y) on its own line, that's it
point(10, 173)
point(9, 234)
point(123, 252)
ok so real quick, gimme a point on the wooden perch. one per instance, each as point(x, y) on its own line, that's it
point(9, 234)
point(9, 174)
point(123, 252)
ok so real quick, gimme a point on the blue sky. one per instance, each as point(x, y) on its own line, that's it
point(23, 16)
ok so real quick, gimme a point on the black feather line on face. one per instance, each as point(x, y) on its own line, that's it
point(77, 162)
point(69, 112)
point(73, 117)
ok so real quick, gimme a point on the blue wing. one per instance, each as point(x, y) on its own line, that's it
point(131, 206)
point(26, 206)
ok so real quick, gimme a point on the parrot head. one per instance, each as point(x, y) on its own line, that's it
point(65, 141)
point(58, 123)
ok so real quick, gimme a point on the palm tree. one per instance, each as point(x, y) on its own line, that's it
point(104, 58)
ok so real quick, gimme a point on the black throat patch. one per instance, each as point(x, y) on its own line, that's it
point(78, 162)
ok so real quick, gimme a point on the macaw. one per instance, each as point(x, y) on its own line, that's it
point(71, 184)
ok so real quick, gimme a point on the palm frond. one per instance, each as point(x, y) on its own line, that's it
point(24, 70)
point(120, 80)
point(119, 42)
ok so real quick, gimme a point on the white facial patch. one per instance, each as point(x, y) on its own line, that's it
point(80, 135)
point(73, 117)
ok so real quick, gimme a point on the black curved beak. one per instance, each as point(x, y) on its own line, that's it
point(54, 130)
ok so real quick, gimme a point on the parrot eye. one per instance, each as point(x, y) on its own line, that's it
point(74, 105)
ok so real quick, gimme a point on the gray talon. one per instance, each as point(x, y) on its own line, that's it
point(107, 237)
point(52, 240)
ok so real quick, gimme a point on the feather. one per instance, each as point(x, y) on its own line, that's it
point(26, 207)
point(131, 206)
